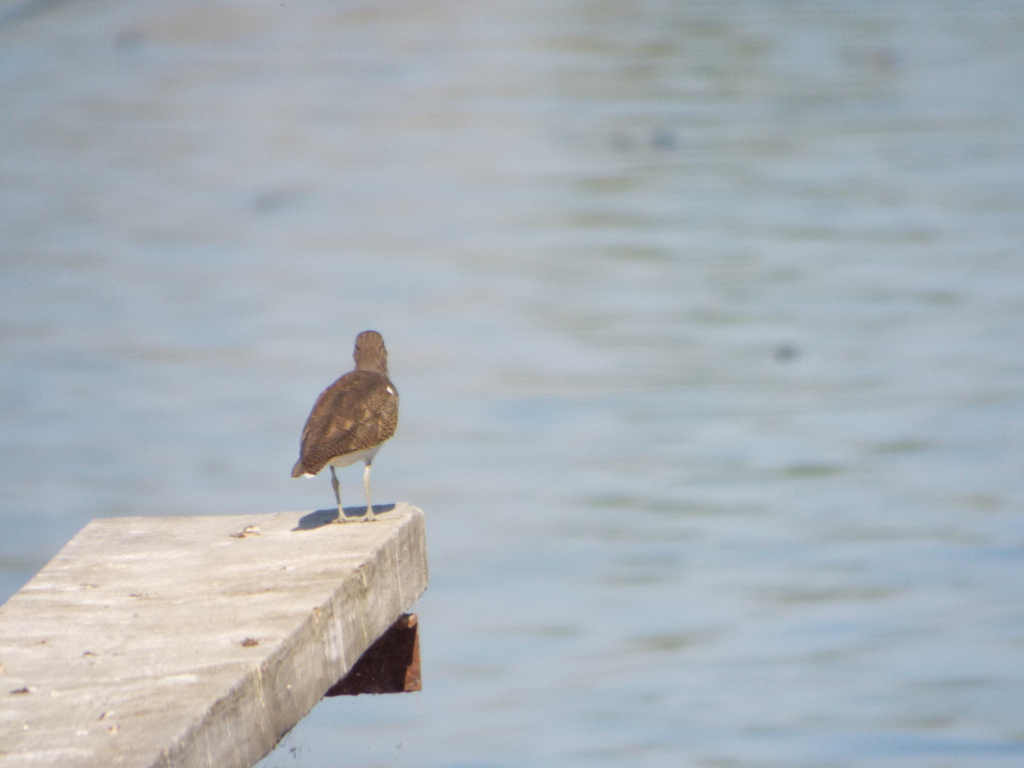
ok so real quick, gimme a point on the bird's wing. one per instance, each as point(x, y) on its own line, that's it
point(357, 411)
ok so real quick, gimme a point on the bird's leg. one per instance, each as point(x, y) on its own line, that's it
point(366, 485)
point(337, 495)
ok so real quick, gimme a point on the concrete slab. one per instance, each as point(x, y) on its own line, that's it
point(195, 641)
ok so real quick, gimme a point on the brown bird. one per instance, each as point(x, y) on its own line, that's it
point(351, 419)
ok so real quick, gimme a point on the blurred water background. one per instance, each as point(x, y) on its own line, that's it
point(707, 318)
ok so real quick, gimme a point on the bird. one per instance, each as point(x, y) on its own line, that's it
point(351, 419)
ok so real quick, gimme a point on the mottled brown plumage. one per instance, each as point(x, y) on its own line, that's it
point(352, 418)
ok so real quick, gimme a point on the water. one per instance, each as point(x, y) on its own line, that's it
point(707, 318)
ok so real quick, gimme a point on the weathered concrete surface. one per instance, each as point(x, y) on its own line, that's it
point(195, 641)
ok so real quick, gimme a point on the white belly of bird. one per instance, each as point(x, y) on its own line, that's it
point(366, 455)
point(347, 459)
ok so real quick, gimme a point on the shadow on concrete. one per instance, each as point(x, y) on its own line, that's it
point(323, 517)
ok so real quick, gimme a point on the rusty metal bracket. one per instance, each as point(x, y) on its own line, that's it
point(390, 665)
